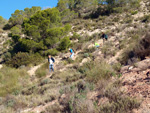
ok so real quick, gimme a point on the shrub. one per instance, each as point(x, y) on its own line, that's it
point(86, 55)
point(107, 49)
point(99, 70)
point(118, 102)
point(79, 104)
point(134, 12)
point(16, 30)
point(118, 10)
point(116, 19)
point(23, 58)
point(77, 46)
point(139, 49)
point(52, 52)
point(42, 71)
point(9, 80)
point(90, 50)
point(123, 105)
point(6, 56)
point(116, 67)
point(15, 38)
point(64, 44)
point(128, 20)
point(75, 36)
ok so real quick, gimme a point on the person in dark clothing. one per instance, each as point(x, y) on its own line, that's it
point(104, 36)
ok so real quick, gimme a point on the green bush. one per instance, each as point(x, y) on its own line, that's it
point(23, 58)
point(86, 55)
point(2, 22)
point(16, 30)
point(64, 44)
point(118, 9)
point(52, 52)
point(15, 38)
point(6, 56)
point(134, 12)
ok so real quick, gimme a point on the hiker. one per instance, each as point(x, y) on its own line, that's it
point(97, 45)
point(104, 36)
point(51, 63)
point(72, 53)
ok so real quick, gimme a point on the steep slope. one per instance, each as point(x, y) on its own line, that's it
point(71, 88)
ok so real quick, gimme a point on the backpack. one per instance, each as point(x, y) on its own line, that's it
point(72, 51)
point(106, 37)
point(53, 59)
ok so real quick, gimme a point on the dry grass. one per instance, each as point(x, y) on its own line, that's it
point(11, 80)
point(42, 71)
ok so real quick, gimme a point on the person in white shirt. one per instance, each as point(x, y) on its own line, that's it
point(51, 63)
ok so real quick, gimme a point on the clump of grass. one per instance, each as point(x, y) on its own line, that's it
point(134, 12)
point(90, 50)
point(95, 71)
point(79, 104)
point(9, 80)
point(116, 67)
point(99, 70)
point(75, 36)
point(123, 105)
point(107, 49)
point(42, 71)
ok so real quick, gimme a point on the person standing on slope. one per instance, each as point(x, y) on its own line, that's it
point(72, 53)
point(51, 63)
point(104, 37)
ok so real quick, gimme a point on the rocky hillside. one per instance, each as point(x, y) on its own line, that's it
point(112, 78)
point(4, 44)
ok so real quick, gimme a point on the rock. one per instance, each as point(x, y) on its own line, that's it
point(1, 66)
point(131, 67)
point(124, 69)
point(23, 66)
point(85, 60)
point(142, 65)
point(103, 101)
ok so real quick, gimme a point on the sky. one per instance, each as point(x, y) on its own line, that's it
point(7, 7)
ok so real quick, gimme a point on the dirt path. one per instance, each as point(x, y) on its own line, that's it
point(32, 71)
point(1, 66)
point(40, 108)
